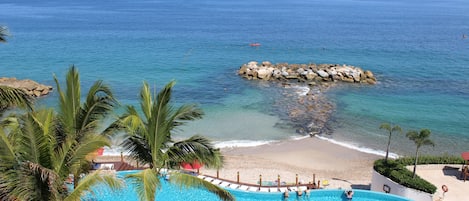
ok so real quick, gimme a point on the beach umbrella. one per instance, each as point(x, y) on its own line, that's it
point(100, 151)
point(186, 166)
point(196, 164)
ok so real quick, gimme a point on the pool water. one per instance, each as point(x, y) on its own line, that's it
point(174, 193)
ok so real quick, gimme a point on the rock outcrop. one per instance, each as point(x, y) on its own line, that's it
point(306, 72)
point(31, 87)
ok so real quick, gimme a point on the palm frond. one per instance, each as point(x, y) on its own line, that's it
point(138, 148)
point(10, 97)
point(69, 100)
point(99, 103)
point(147, 183)
point(146, 101)
point(189, 181)
point(87, 183)
point(196, 148)
point(89, 144)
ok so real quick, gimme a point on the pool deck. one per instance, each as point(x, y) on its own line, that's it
point(449, 175)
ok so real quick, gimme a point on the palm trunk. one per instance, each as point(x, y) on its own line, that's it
point(415, 163)
point(387, 148)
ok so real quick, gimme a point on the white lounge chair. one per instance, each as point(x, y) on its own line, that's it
point(243, 187)
point(224, 184)
point(264, 189)
point(234, 186)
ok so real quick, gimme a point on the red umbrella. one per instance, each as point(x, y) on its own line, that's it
point(186, 166)
point(100, 151)
point(196, 164)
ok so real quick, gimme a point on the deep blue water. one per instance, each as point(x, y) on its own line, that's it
point(415, 48)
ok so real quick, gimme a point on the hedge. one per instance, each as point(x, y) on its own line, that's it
point(397, 172)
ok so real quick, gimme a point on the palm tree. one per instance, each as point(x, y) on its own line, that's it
point(39, 149)
point(420, 138)
point(391, 129)
point(10, 97)
point(149, 140)
point(3, 34)
point(34, 163)
point(82, 120)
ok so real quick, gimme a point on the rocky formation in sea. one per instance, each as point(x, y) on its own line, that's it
point(303, 103)
point(306, 72)
point(31, 87)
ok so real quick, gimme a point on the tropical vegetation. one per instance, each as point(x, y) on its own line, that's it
point(390, 129)
point(396, 170)
point(420, 139)
point(39, 149)
point(149, 141)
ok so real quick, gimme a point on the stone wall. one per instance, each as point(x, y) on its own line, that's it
point(32, 88)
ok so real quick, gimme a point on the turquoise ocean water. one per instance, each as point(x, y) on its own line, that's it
point(415, 48)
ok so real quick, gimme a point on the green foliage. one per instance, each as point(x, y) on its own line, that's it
point(149, 140)
point(396, 170)
point(445, 159)
point(40, 148)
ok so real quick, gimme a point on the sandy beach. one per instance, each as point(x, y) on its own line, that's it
point(340, 166)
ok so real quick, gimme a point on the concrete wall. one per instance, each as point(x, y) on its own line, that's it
point(378, 181)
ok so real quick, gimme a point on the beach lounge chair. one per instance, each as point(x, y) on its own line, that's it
point(283, 189)
point(234, 186)
point(243, 187)
point(224, 184)
point(254, 189)
point(216, 181)
point(264, 189)
point(209, 179)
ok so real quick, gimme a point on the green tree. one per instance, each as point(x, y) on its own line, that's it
point(3, 34)
point(390, 129)
point(149, 140)
point(35, 162)
point(39, 149)
point(419, 138)
point(83, 120)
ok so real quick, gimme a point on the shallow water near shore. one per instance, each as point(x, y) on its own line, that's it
point(415, 49)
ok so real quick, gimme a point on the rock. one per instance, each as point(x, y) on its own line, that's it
point(264, 73)
point(31, 87)
point(243, 70)
point(306, 72)
point(323, 74)
point(368, 74)
point(266, 63)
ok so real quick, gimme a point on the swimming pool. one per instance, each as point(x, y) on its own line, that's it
point(172, 192)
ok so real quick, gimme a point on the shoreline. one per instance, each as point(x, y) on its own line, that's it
point(341, 166)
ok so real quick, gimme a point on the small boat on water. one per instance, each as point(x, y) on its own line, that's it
point(254, 44)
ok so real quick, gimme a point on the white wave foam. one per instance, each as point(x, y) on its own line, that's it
point(301, 91)
point(240, 143)
point(361, 149)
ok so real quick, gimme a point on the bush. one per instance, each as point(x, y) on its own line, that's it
point(397, 172)
point(445, 159)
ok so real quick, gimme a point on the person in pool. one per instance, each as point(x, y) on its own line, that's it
point(349, 194)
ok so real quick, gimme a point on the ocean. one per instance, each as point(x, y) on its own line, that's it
point(417, 50)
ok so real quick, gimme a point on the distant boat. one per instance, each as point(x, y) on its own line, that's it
point(254, 44)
